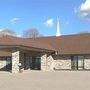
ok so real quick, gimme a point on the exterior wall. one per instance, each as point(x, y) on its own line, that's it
point(87, 62)
point(43, 62)
point(46, 62)
point(15, 61)
point(50, 63)
point(62, 62)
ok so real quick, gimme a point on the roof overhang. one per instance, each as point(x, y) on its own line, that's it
point(22, 47)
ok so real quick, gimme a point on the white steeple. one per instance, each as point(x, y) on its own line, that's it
point(58, 29)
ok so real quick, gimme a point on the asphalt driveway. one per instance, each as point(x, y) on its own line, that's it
point(38, 80)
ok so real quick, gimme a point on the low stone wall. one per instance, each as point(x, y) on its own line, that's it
point(87, 62)
point(49, 62)
point(62, 62)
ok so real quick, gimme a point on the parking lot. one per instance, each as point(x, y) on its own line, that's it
point(39, 80)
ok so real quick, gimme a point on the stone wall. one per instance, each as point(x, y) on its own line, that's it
point(50, 63)
point(46, 62)
point(87, 62)
point(15, 61)
point(43, 62)
point(62, 62)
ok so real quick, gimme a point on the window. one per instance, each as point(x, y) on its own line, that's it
point(77, 62)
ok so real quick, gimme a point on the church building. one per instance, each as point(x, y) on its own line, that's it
point(60, 52)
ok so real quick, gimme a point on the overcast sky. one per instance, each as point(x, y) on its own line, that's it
point(19, 15)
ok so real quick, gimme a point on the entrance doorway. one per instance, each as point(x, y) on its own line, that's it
point(35, 63)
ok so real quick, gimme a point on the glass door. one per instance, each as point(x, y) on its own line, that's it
point(35, 63)
point(74, 63)
point(77, 62)
point(80, 62)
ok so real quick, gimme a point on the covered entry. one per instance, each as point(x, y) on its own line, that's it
point(32, 60)
point(35, 63)
point(20, 49)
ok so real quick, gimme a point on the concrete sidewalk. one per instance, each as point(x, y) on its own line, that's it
point(38, 80)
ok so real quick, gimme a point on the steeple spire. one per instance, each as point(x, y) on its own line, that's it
point(58, 29)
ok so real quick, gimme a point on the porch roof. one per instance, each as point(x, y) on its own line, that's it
point(4, 53)
point(11, 42)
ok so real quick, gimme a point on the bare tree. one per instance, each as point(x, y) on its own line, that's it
point(4, 32)
point(31, 33)
point(83, 32)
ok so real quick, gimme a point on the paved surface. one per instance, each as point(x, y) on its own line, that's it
point(37, 80)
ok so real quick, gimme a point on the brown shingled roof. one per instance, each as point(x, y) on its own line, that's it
point(65, 44)
point(10, 40)
point(69, 44)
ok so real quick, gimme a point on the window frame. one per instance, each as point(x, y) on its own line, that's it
point(76, 67)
